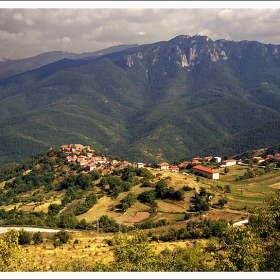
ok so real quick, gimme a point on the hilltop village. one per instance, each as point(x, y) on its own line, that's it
point(85, 157)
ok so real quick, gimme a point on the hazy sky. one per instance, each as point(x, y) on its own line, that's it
point(31, 28)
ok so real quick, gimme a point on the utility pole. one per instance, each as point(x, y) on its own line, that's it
point(97, 228)
point(120, 222)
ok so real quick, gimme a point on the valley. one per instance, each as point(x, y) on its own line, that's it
point(149, 188)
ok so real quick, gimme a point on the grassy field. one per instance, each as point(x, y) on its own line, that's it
point(84, 249)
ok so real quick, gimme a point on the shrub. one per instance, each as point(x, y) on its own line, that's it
point(37, 238)
point(63, 236)
point(24, 237)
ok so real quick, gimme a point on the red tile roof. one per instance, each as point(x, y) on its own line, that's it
point(205, 169)
point(229, 160)
point(163, 164)
point(174, 167)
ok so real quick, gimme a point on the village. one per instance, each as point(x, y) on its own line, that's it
point(84, 156)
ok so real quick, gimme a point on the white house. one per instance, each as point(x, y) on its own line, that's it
point(207, 172)
point(228, 162)
point(90, 167)
point(163, 166)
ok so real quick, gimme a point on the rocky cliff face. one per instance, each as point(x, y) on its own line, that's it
point(188, 51)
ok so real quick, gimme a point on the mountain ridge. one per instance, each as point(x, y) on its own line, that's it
point(10, 67)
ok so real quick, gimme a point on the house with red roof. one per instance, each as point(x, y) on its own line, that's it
point(259, 159)
point(196, 160)
point(65, 148)
point(163, 166)
point(228, 162)
point(207, 158)
point(99, 160)
point(174, 168)
point(206, 172)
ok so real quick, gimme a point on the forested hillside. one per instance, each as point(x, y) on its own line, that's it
point(163, 101)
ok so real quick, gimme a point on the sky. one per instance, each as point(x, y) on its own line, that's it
point(29, 28)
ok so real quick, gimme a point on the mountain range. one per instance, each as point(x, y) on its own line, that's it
point(9, 67)
point(166, 101)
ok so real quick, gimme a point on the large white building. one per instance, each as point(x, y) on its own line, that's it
point(207, 172)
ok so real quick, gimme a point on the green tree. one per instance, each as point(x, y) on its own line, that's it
point(54, 208)
point(84, 181)
point(83, 224)
point(24, 237)
point(227, 189)
point(241, 252)
point(147, 197)
point(222, 201)
point(11, 254)
point(161, 189)
point(128, 201)
point(179, 195)
point(63, 236)
point(68, 182)
point(9, 251)
point(133, 253)
point(95, 174)
point(68, 220)
point(37, 238)
point(226, 169)
point(108, 225)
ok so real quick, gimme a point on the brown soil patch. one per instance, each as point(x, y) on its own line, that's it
point(246, 192)
point(229, 215)
point(275, 186)
point(166, 206)
point(139, 216)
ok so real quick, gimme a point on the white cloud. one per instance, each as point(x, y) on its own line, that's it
point(27, 32)
point(65, 40)
point(18, 17)
point(4, 35)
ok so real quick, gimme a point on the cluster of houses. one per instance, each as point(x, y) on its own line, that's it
point(198, 168)
point(76, 153)
point(209, 172)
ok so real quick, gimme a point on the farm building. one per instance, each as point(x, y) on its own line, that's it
point(228, 162)
point(206, 172)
